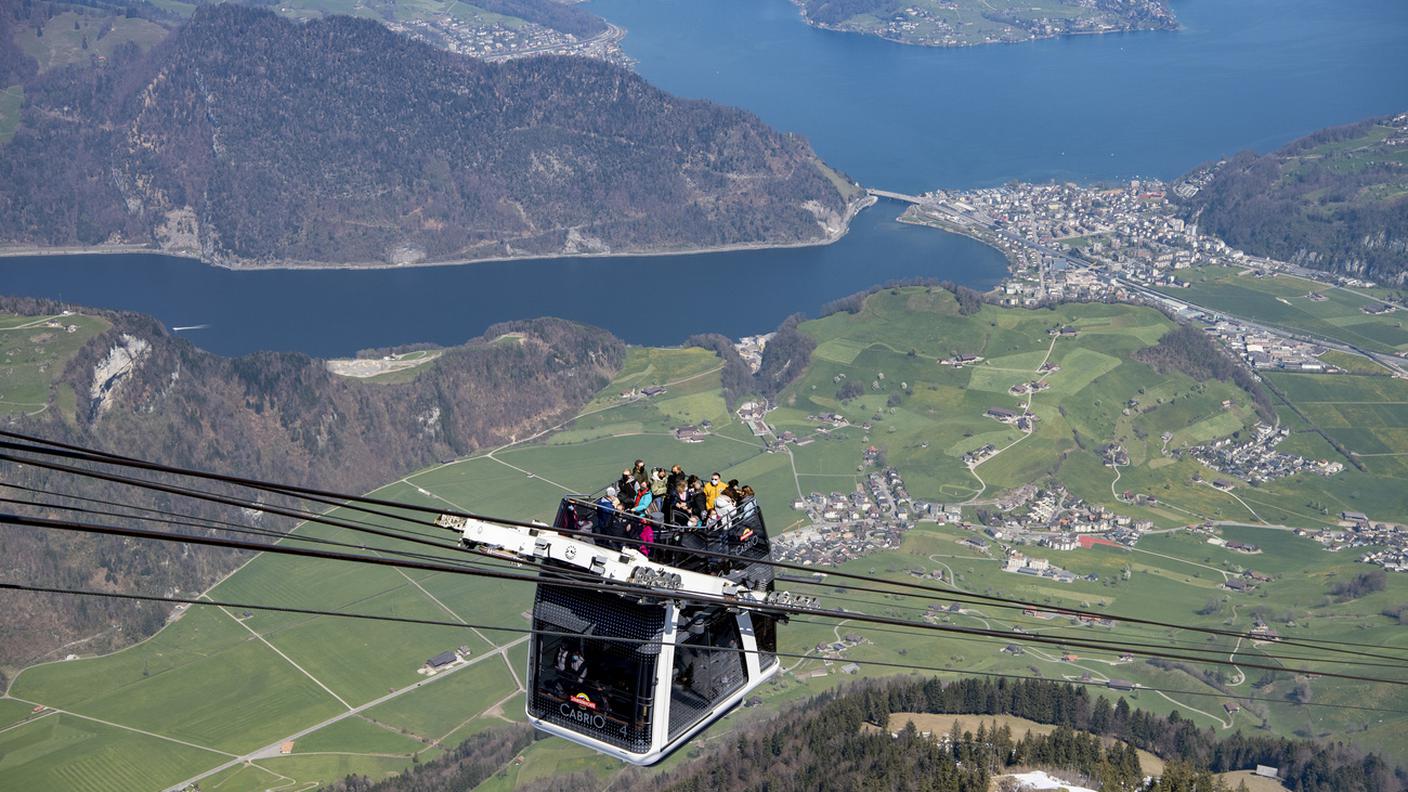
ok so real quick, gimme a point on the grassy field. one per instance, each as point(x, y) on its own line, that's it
point(33, 351)
point(358, 735)
point(939, 412)
point(939, 725)
point(73, 38)
point(12, 712)
point(1284, 301)
point(11, 101)
point(439, 709)
point(1254, 782)
point(228, 682)
point(71, 753)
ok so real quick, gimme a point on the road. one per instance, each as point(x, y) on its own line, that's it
point(1026, 407)
point(272, 749)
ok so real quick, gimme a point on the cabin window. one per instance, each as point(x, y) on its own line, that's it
point(709, 666)
point(587, 682)
point(765, 633)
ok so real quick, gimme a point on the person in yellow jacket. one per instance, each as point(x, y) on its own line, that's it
point(712, 488)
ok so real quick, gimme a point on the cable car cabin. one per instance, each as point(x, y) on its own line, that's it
point(636, 676)
point(641, 639)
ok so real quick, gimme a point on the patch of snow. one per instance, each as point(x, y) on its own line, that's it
point(1039, 780)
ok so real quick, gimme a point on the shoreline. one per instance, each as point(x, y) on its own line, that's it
point(956, 230)
point(1177, 26)
point(853, 209)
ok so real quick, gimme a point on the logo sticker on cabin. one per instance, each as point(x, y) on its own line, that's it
point(583, 700)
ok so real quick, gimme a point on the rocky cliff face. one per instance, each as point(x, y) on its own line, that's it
point(145, 393)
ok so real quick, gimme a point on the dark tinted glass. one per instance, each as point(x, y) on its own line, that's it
point(586, 682)
point(708, 666)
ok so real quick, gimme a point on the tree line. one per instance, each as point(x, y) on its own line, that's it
point(841, 740)
point(1190, 351)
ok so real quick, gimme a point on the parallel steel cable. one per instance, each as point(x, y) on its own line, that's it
point(193, 522)
point(77, 452)
point(196, 522)
point(20, 587)
point(639, 591)
point(1086, 643)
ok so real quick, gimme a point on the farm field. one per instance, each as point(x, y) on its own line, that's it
point(33, 350)
point(70, 38)
point(925, 416)
point(1284, 301)
point(67, 752)
point(229, 682)
point(11, 101)
point(939, 725)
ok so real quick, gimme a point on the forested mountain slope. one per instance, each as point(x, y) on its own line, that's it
point(1336, 200)
point(250, 139)
point(139, 391)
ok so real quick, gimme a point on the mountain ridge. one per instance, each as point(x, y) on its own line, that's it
point(277, 416)
point(251, 140)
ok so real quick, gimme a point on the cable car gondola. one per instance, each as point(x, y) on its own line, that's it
point(663, 647)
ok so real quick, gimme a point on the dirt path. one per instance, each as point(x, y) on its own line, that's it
point(1026, 407)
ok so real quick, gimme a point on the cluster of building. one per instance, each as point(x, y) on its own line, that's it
point(648, 392)
point(1130, 231)
point(847, 525)
point(1262, 349)
point(830, 420)
point(979, 455)
point(750, 348)
point(940, 24)
point(1387, 543)
point(1248, 581)
point(1053, 517)
point(694, 433)
point(497, 41)
point(753, 414)
point(1022, 419)
point(1256, 459)
point(1019, 563)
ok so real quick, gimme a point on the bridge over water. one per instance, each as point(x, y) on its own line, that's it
point(914, 199)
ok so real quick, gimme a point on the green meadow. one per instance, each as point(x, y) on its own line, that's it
point(33, 351)
point(1285, 301)
point(226, 682)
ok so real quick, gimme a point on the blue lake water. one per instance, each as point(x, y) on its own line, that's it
point(642, 299)
point(1240, 74)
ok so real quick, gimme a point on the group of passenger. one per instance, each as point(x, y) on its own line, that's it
point(676, 499)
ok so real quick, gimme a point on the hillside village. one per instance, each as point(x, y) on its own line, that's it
point(1068, 242)
point(1257, 460)
point(498, 41)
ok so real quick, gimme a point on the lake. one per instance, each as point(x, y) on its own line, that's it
point(1240, 74)
point(1243, 74)
point(642, 299)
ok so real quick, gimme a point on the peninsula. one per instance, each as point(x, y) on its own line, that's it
point(250, 140)
point(962, 23)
